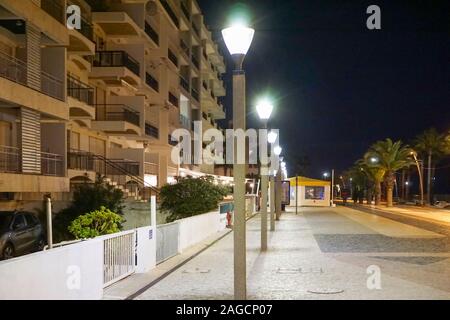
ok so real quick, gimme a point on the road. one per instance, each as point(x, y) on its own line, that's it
point(323, 253)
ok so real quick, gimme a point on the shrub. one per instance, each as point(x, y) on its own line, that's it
point(97, 223)
point(87, 197)
point(190, 197)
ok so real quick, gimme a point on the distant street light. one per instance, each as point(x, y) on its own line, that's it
point(374, 160)
point(272, 137)
point(414, 154)
point(238, 39)
point(277, 150)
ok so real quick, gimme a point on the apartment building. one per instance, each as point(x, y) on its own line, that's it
point(104, 98)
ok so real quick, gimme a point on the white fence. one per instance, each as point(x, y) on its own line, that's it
point(167, 239)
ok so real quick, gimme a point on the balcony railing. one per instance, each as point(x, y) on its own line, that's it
point(171, 13)
point(52, 86)
point(184, 83)
point(151, 168)
point(195, 62)
point(195, 94)
point(151, 131)
point(196, 29)
point(173, 99)
point(13, 69)
point(185, 10)
point(9, 159)
point(151, 32)
point(52, 164)
point(173, 57)
point(116, 59)
point(152, 82)
point(80, 91)
point(117, 112)
point(184, 48)
point(87, 161)
point(87, 29)
point(54, 8)
point(185, 122)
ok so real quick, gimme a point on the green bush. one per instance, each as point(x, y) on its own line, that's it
point(97, 223)
point(190, 197)
point(87, 197)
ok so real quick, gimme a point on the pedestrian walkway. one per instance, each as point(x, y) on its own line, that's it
point(425, 213)
point(322, 253)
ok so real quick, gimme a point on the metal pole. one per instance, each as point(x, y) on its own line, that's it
point(239, 234)
point(49, 224)
point(419, 169)
point(264, 196)
point(332, 187)
point(272, 203)
point(429, 178)
point(278, 195)
point(296, 194)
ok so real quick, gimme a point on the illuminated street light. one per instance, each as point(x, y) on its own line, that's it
point(264, 109)
point(272, 137)
point(238, 39)
point(277, 150)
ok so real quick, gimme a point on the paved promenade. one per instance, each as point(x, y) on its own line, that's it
point(322, 253)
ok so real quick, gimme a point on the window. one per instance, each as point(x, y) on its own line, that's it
point(315, 193)
point(31, 220)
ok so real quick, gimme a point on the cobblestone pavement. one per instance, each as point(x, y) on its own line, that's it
point(322, 253)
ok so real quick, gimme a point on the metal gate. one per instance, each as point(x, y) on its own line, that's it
point(166, 241)
point(118, 257)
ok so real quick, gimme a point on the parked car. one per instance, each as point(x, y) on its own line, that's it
point(20, 233)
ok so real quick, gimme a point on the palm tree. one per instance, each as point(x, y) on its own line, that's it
point(389, 156)
point(432, 144)
point(375, 176)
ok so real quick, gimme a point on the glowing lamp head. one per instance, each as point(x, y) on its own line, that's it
point(264, 109)
point(272, 137)
point(277, 150)
point(238, 39)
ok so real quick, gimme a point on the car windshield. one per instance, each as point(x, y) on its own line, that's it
point(5, 219)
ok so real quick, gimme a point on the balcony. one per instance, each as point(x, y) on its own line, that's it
point(171, 13)
point(196, 62)
point(87, 161)
point(80, 91)
point(116, 59)
point(172, 57)
point(185, 122)
point(196, 29)
point(51, 164)
point(117, 24)
point(15, 70)
point(54, 8)
point(10, 159)
point(81, 40)
point(151, 82)
point(151, 33)
point(151, 131)
point(195, 95)
point(184, 83)
point(173, 100)
point(185, 10)
point(117, 112)
point(184, 48)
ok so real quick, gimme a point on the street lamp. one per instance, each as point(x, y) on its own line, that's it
point(414, 154)
point(238, 39)
point(277, 151)
point(272, 137)
point(264, 109)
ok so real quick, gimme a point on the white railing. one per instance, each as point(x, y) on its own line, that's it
point(119, 257)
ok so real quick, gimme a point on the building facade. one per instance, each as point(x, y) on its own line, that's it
point(103, 99)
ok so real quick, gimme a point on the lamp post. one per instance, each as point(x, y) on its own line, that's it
point(238, 39)
point(277, 150)
point(414, 154)
point(264, 109)
point(272, 138)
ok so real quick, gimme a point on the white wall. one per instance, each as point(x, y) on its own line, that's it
point(196, 229)
point(146, 249)
point(48, 274)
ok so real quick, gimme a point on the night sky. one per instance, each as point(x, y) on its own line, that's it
point(339, 86)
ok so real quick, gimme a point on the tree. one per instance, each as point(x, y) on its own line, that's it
point(433, 145)
point(190, 197)
point(375, 176)
point(389, 156)
point(96, 223)
point(87, 197)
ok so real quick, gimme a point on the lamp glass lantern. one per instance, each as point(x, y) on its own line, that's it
point(277, 150)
